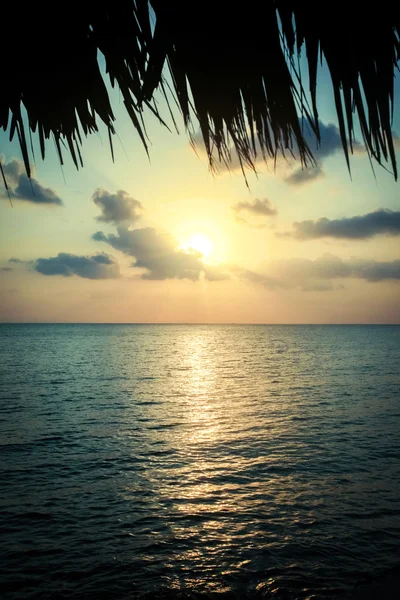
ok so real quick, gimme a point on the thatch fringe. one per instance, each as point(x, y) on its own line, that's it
point(231, 66)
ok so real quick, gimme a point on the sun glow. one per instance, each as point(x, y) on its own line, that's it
point(201, 243)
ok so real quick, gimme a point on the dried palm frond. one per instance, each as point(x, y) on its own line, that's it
point(231, 65)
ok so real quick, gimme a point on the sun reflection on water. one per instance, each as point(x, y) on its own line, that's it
point(201, 390)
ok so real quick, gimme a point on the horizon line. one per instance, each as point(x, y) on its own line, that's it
point(228, 323)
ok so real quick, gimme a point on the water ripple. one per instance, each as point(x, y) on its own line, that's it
point(198, 461)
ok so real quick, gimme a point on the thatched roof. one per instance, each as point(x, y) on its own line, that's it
point(233, 66)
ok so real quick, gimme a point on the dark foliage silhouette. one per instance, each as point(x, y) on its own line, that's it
point(233, 67)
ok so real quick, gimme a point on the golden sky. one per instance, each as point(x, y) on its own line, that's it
point(166, 240)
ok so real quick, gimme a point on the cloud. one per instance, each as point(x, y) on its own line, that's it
point(213, 273)
point(379, 222)
point(287, 167)
point(156, 252)
point(320, 274)
point(302, 176)
point(98, 266)
point(331, 143)
point(117, 208)
point(255, 277)
point(23, 188)
point(160, 255)
point(258, 207)
point(17, 261)
point(254, 210)
point(6, 268)
point(377, 271)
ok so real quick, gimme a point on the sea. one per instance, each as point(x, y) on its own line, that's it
point(199, 461)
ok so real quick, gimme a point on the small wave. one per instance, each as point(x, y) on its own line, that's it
point(165, 426)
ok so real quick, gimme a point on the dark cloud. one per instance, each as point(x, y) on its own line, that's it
point(156, 252)
point(253, 210)
point(99, 266)
point(6, 268)
point(330, 144)
point(258, 207)
point(302, 176)
point(117, 208)
point(377, 271)
point(23, 188)
point(380, 222)
point(331, 141)
point(321, 273)
point(17, 261)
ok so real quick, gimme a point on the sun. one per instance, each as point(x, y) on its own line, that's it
point(201, 243)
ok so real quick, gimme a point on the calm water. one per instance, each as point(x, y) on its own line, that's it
point(222, 461)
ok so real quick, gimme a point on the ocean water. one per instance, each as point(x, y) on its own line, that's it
point(196, 461)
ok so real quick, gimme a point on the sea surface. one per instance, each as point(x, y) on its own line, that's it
point(198, 461)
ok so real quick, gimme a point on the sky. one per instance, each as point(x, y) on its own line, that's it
point(165, 240)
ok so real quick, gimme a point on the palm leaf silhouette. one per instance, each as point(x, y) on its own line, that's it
point(232, 68)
